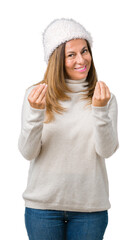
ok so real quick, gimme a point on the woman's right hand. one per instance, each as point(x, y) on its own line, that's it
point(37, 96)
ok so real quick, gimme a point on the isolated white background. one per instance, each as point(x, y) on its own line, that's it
point(112, 25)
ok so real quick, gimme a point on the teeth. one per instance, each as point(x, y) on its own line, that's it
point(81, 68)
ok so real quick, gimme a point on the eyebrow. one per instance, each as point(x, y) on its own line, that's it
point(73, 51)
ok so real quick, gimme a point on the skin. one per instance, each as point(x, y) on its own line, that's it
point(101, 95)
point(77, 56)
point(36, 97)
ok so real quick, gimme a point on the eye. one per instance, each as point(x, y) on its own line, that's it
point(71, 55)
point(85, 50)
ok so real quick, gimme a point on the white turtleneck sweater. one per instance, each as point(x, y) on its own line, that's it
point(67, 157)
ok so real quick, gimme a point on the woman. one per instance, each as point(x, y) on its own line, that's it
point(69, 127)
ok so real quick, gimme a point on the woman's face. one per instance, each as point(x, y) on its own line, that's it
point(77, 59)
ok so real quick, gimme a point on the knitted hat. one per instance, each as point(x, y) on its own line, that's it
point(60, 31)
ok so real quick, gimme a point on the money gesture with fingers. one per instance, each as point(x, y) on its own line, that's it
point(101, 95)
point(37, 96)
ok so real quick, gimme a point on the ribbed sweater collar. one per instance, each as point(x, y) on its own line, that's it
point(77, 85)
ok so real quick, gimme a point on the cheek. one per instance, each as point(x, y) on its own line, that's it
point(89, 60)
point(69, 65)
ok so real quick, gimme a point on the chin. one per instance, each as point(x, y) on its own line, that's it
point(77, 76)
point(81, 76)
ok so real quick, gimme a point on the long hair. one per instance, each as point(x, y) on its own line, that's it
point(57, 88)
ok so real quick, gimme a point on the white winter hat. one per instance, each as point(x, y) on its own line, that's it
point(60, 31)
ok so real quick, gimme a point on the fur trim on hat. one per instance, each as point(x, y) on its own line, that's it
point(60, 31)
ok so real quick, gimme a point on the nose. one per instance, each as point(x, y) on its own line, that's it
point(79, 58)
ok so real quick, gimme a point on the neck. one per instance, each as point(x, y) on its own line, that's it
point(76, 85)
point(75, 81)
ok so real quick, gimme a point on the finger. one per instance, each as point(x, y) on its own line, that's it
point(103, 90)
point(43, 101)
point(97, 90)
point(38, 92)
point(33, 91)
point(108, 94)
point(42, 95)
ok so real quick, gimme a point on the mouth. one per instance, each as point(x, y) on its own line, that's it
point(81, 69)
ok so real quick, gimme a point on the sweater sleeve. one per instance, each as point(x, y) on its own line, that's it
point(105, 128)
point(29, 142)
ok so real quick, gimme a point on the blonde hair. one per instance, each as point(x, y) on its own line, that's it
point(55, 79)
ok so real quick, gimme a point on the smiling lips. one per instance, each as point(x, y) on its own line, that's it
point(81, 69)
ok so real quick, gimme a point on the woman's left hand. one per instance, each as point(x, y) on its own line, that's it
point(101, 95)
